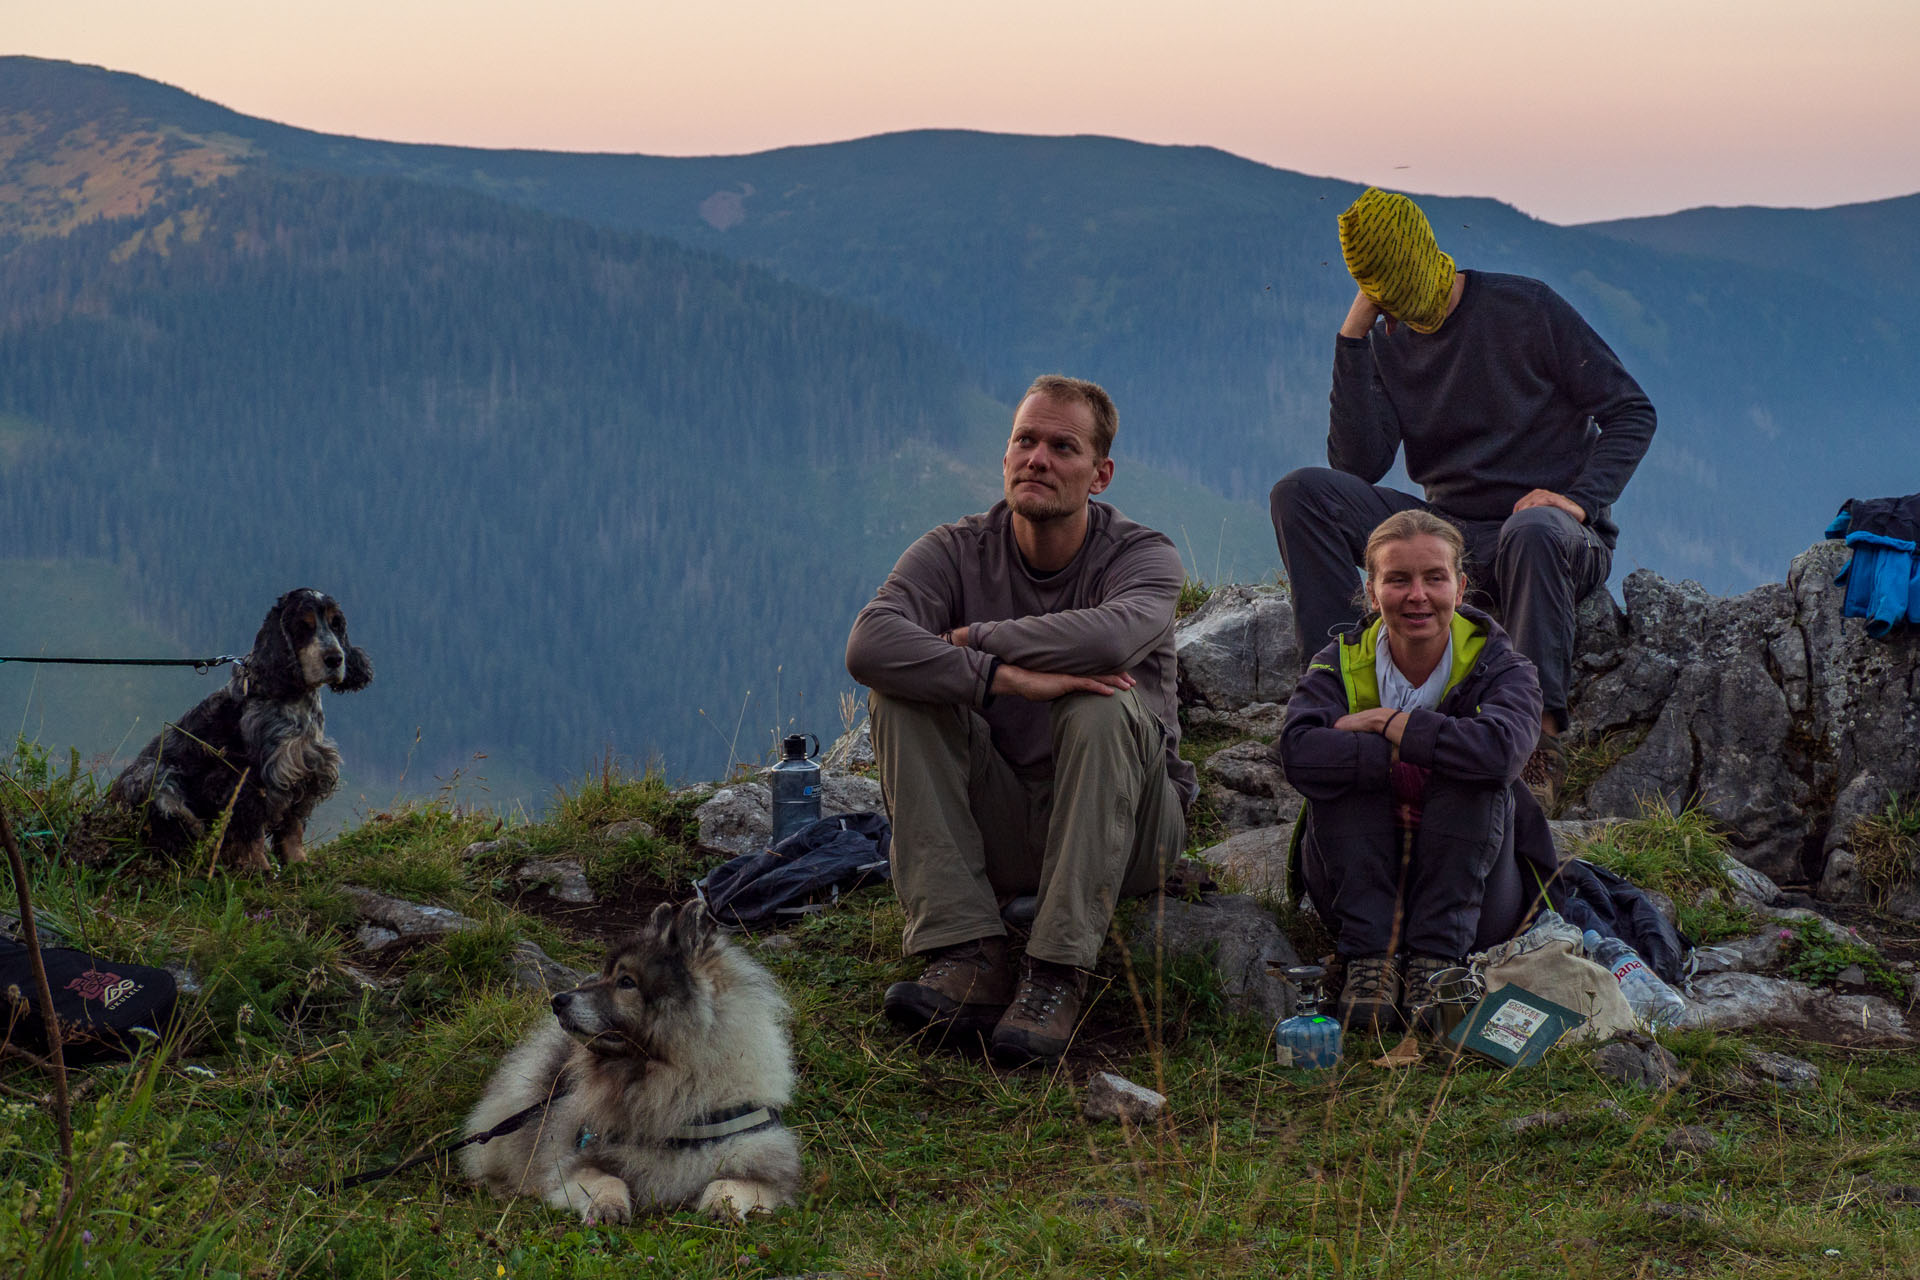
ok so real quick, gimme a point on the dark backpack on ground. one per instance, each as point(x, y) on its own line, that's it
point(98, 1002)
point(820, 861)
point(1591, 897)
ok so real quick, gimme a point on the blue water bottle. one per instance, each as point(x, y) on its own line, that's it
point(796, 786)
point(1309, 1039)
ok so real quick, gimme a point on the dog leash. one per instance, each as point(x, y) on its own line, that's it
point(200, 665)
point(710, 1128)
point(505, 1127)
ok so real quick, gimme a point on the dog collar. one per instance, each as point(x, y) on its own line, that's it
point(712, 1127)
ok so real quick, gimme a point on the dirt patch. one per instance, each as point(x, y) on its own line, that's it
point(606, 920)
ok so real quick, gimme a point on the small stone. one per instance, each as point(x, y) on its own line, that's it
point(1647, 1066)
point(1540, 1120)
point(413, 921)
point(1256, 861)
point(563, 878)
point(1112, 1097)
point(1902, 1193)
point(1851, 976)
point(372, 937)
point(628, 829)
point(480, 848)
point(1792, 1074)
point(1614, 1109)
point(777, 942)
point(535, 970)
point(1692, 1139)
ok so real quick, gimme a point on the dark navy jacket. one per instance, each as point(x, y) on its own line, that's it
point(1485, 727)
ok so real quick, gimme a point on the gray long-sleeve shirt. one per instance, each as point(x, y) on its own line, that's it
point(1493, 405)
point(1110, 610)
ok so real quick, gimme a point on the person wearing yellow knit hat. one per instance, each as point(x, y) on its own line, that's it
point(1518, 421)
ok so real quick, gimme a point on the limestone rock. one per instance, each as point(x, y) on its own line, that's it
point(1756, 953)
point(1112, 1097)
point(535, 970)
point(1692, 1139)
point(1862, 797)
point(1722, 1001)
point(1260, 720)
point(372, 937)
point(562, 878)
point(1238, 648)
point(407, 921)
point(1256, 861)
point(481, 848)
point(1753, 707)
point(850, 793)
point(629, 829)
point(1749, 883)
point(1239, 935)
point(1237, 811)
point(736, 819)
point(1792, 1074)
point(1637, 1060)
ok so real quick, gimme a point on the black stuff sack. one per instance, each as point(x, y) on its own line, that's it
point(817, 863)
point(99, 1002)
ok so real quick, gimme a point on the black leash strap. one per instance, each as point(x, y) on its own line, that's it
point(512, 1122)
point(200, 665)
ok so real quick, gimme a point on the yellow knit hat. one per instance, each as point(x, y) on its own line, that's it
point(1393, 257)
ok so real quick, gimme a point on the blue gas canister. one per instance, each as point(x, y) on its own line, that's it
point(1309, 1039)
point(796, 786)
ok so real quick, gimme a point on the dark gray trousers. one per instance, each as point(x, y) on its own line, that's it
point(1528, 570)
point(1457, 890)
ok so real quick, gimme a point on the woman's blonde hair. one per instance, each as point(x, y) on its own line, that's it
point(1404, 526)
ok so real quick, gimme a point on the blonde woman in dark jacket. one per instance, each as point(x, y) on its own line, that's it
point(1407, 736)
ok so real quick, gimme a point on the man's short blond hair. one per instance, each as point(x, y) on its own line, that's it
point(1061, 389)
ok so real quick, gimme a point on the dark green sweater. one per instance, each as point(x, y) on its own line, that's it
point(1503, 399)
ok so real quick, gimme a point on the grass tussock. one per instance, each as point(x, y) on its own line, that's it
point(1682, 855)
point(301, 1058)
point(1886, 848)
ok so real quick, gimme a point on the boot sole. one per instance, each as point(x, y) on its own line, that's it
point(911, 1007)
point(1021, 1051)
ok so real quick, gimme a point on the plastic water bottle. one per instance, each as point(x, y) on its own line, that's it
point(796, 786)
point(1652, 1001)
point(1309, 1039)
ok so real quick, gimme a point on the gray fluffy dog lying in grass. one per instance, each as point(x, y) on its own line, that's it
point(665, 1075)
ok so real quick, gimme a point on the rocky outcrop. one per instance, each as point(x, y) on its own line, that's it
point(1771, 712)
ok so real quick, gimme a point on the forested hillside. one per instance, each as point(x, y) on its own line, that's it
point(570, 483)
point(1204, 289)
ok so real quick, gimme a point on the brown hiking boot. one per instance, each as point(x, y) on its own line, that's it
point(1545, 772)
point(965, 987)
point(1419, 999)
point(1370, 1001)
point(1040, 1023)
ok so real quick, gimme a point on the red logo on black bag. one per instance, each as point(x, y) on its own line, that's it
point(108, 988)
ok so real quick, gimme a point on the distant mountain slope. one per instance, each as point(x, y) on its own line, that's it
point(573, 485)
point(1870, 250)
point(1203, 289)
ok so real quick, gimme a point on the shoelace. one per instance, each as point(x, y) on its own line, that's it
point(1040, 994)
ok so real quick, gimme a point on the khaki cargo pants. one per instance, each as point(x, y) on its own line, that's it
point(969, 832)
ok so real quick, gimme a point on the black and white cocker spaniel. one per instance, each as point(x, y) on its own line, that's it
point(259, 744)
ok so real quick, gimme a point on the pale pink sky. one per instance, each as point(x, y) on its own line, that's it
point(1569, 111)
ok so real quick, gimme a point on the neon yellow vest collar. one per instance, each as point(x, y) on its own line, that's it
point(1356, 661)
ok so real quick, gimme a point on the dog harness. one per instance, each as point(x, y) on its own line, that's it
point(712, 1127)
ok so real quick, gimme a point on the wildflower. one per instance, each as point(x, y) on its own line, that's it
point(86, 1237)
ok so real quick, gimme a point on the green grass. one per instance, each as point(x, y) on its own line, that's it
point(917, 1165)
point(1681, 855)
point(1886, 848)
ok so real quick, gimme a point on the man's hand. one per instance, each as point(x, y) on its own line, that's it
point(1360, 317)
point(1548, 498)
point(956, 637)
point(1045, 686)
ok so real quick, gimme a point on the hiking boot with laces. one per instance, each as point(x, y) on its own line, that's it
point(1370, 1001)
point(1039, 1024)
point(1418, 999)
point(1545, 772)
point(965, 987)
